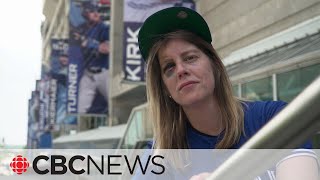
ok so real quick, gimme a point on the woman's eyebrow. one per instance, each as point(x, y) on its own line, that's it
point(164, 59)
point(164, 62)
point(190, 51)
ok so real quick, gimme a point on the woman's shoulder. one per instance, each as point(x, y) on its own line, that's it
point(258, 113)
point(259, 104)
point(268, 108)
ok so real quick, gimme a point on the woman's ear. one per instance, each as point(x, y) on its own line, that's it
point(167, 94)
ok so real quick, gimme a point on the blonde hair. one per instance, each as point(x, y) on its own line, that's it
point(169, 119)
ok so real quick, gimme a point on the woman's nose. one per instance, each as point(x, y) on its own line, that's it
point(181, 70)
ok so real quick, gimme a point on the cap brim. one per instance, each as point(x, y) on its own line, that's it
point(169, 20)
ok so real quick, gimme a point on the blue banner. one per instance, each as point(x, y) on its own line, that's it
point(43, 89)
point(29, 134)
point(33, 121)
point(134, 67)
point(59, 62)
point(88, 69)
point(52, 114)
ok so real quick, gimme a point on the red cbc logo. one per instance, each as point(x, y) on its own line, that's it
point(19, 164)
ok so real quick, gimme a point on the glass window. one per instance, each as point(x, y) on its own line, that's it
point(258, 90)
point(139, 125)
point(235, 90)
point(290, 84)
point(134, 133)
point(101, 121)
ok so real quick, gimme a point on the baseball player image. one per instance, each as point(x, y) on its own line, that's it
point(93, 37)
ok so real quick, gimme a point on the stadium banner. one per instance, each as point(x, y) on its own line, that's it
point(43, 89)
point(45, 128)
point(135, 13)
point(52, 112)
point(59, 61)
point(88, 69)
point(30, 120)
point(33, 122)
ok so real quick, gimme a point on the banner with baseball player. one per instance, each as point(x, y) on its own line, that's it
point(48, 95)
point(42, 86)
point(30, 131)
point(59, 61)
point(43, 134)
point(33, 121)
point(135, 13)
point(88, 69)
point(29, 125)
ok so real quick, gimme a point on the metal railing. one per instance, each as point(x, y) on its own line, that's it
point(289, 129)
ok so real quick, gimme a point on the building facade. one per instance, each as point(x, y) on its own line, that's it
point(271, 49)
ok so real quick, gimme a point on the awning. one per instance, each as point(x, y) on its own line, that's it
point(101, 133)
point(284, 53)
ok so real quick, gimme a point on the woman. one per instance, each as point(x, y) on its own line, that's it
point(189, 93)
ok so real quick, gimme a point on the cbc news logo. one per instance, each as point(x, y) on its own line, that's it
point(19, 164)
point(59, 164)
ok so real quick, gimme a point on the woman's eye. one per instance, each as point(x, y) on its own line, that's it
point(168, 67)
point(191, 58)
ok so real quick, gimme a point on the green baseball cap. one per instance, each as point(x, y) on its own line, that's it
point(169, 20)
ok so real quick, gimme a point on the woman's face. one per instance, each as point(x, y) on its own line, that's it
point(186, 72)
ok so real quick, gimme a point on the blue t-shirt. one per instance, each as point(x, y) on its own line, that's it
point(256, 115)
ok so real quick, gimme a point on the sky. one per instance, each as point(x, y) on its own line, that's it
point(20, 65)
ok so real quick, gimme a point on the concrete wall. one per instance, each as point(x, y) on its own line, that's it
point(238, 23)
point(55, 25)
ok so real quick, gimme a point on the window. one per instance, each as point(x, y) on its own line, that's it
point(134, 133)
point(258, 90)
point(290, 84)
point(235, 90)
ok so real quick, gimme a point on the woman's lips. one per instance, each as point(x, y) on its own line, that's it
point(186, 84)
